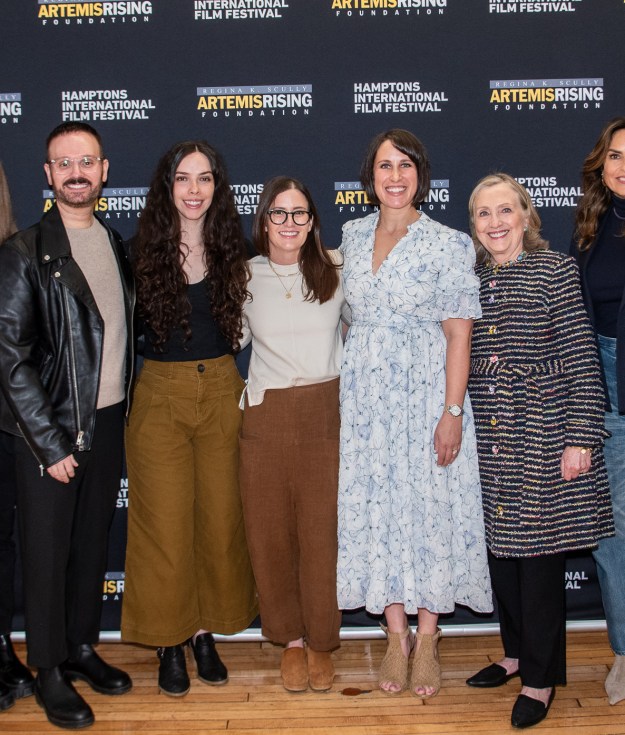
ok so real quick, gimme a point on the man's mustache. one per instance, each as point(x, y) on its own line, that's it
point(77, 180)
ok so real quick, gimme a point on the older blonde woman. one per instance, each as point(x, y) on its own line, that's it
point(538, 400)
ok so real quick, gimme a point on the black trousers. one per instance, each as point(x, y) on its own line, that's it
point(532, 615)
point(7, 527)
point(64, 538)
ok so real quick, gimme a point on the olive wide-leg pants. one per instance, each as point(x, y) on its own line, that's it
point(187, 563)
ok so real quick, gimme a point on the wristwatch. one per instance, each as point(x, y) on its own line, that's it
point(454, 410)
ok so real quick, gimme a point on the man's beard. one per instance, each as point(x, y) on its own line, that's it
point(78, 199)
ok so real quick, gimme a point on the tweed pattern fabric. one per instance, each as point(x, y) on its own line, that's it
point(535, 388)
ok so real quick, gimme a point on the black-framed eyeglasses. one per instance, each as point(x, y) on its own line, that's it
point(300, 217)
point(85, 163)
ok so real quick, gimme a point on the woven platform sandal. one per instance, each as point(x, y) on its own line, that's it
point(394, 667)
point(426, 669)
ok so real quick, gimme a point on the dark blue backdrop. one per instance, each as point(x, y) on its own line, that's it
point(298, 87)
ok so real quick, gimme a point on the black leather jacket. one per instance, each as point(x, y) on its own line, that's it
point(51, 336)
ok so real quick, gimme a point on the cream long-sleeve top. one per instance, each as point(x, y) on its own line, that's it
point(294, 342)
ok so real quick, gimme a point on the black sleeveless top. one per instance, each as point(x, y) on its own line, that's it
point(207, 340)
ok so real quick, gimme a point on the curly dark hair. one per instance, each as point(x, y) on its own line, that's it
point(161, 282)
point(320, 273)
point(596, 197)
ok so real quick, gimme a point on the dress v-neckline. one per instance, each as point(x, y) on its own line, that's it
point(375, 273)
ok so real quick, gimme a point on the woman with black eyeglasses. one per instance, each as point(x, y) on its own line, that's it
point(289, 447)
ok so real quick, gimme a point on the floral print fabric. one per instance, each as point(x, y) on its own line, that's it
point(409, 531)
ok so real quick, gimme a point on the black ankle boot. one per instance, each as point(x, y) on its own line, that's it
point(210, 668)
point(172, 671)
point(84, 663)
point(7, 698)
point(63, 706)
point(13, 674)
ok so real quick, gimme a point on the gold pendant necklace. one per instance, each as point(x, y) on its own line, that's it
point(287, 291)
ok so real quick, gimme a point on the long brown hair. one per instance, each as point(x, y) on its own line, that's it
point(320, 273)
point(161, 282)
point(7, 221)
point(596, 195)
point(532, 239)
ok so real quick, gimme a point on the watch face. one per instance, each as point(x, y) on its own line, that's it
point(454, 410)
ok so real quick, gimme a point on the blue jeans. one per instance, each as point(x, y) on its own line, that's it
point(610, 555)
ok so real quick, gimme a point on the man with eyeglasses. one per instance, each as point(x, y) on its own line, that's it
point(66, 303)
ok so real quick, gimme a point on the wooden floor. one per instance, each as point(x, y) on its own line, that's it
point(254, 702)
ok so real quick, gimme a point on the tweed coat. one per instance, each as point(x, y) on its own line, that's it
point(535, 388)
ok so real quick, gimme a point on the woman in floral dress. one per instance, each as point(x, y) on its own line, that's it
point(411, 533)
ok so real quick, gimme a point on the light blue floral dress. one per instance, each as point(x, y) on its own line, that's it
point(408, 530)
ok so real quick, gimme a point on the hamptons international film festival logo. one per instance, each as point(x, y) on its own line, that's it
point(71, 12)
point(273, 100)
point(581, 93)
point(89, 105)
point(547, 191)
point(239, 9)
point(521, 6)
point(350, 197)
point(246, 197)
point(389, 97)
point(350, 8)
point(10, 108)
point(114, 204)
point(575, 580)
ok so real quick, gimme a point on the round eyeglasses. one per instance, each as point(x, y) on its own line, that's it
point(85, 163)
point(300, 217)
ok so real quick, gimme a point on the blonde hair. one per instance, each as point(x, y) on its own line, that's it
point(532, 239)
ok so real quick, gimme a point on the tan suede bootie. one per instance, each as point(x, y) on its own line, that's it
point(320, 670)
point(294, 670)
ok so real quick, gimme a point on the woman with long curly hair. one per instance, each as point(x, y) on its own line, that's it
point(290, 433)
point(187, 566)
point(599, 247)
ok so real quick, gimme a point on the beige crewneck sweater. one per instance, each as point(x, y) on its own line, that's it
point(92, 251)
point(294, 342)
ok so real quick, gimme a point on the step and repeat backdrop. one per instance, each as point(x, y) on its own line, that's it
point(299, 87)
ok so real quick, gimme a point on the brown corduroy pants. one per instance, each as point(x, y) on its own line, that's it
point(187, 563)
point(289, 483)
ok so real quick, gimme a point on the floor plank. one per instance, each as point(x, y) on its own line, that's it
point(254, 702)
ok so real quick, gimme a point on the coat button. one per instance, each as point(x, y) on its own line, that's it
point(493, 421)
point(499, 511)
point(495, 449)
point(492, 329)
point(46, 257)
point(57, 274)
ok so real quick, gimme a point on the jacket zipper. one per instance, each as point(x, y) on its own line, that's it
point(29, 445)
point(80, 441)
